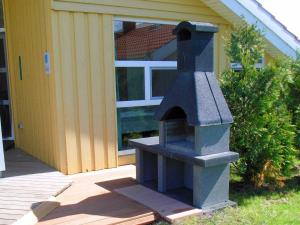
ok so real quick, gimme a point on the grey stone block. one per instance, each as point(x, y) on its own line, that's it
point(146, 166)
point(162, 164)
point(139, 166)
point(211, 186)
point(212, 139)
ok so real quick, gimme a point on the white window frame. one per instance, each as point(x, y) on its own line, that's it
point(148, 67)
point(138, 20)
point(7, 102)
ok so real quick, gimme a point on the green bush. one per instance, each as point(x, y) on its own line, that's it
point(262, 132)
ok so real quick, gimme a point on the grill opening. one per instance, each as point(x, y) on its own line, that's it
point(179, 134)
point(175, 113)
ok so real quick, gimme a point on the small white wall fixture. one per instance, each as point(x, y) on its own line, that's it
point(2, 162)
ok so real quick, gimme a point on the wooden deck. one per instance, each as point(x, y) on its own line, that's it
point(104, 197)
point(26, 184)
point(92, 200)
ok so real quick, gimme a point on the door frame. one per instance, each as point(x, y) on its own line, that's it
point(2, 161)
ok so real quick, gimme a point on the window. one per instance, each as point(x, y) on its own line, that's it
point(238, 66)
point(135, 122)
point(130, 83)
point(3, 87)
point(2, 58)
point(145, 63)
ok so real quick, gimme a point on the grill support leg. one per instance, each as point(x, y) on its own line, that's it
point(162, 166)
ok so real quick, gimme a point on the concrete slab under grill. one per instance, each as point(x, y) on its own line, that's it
point(168, 208)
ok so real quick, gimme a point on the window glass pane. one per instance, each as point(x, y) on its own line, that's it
point(2, 52)
point(135, 122)
point(3, 87)
point(130, 83)
point(161, 81)
point(144, 41)
point(5, 121)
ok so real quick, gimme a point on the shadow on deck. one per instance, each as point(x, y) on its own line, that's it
point(92, 200)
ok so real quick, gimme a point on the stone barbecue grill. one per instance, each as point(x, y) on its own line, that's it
point(192, 150)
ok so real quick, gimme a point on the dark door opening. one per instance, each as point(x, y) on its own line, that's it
point(5, 110)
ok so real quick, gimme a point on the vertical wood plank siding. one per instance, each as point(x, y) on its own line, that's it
point(84, 60)
point(27, 31)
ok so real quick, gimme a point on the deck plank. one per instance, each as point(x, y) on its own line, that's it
point(92, 200)
point(27, 183)
point(6, 221)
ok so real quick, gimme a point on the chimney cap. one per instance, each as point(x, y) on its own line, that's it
point(195, 27)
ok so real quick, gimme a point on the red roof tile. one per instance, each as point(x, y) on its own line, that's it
point(139, 43)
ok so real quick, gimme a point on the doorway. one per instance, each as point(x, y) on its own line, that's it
point(5, 110)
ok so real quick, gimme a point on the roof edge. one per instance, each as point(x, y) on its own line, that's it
point(273, 30)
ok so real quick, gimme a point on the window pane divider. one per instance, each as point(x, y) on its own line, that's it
point(124, 63)
point(137, 103)
point(147, 82)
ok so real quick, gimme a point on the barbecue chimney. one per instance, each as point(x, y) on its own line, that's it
point(192, 150)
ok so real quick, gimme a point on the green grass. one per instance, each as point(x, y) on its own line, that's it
point(278, 207)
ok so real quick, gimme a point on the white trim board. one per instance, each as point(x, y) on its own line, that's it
point(158, 64)
point(157, 21)
point(138, 20)
point(2, 162)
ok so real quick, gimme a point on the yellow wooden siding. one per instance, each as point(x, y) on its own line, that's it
point(220, 59)
point(83, 56)
point(26, 25)
point(193, 10)
point(84, 71)
point(126, 159)
point(268, 58)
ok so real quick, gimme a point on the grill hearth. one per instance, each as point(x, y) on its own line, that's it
point(192, 150)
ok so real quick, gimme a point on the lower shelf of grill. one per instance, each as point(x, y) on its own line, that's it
point(181, 194)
